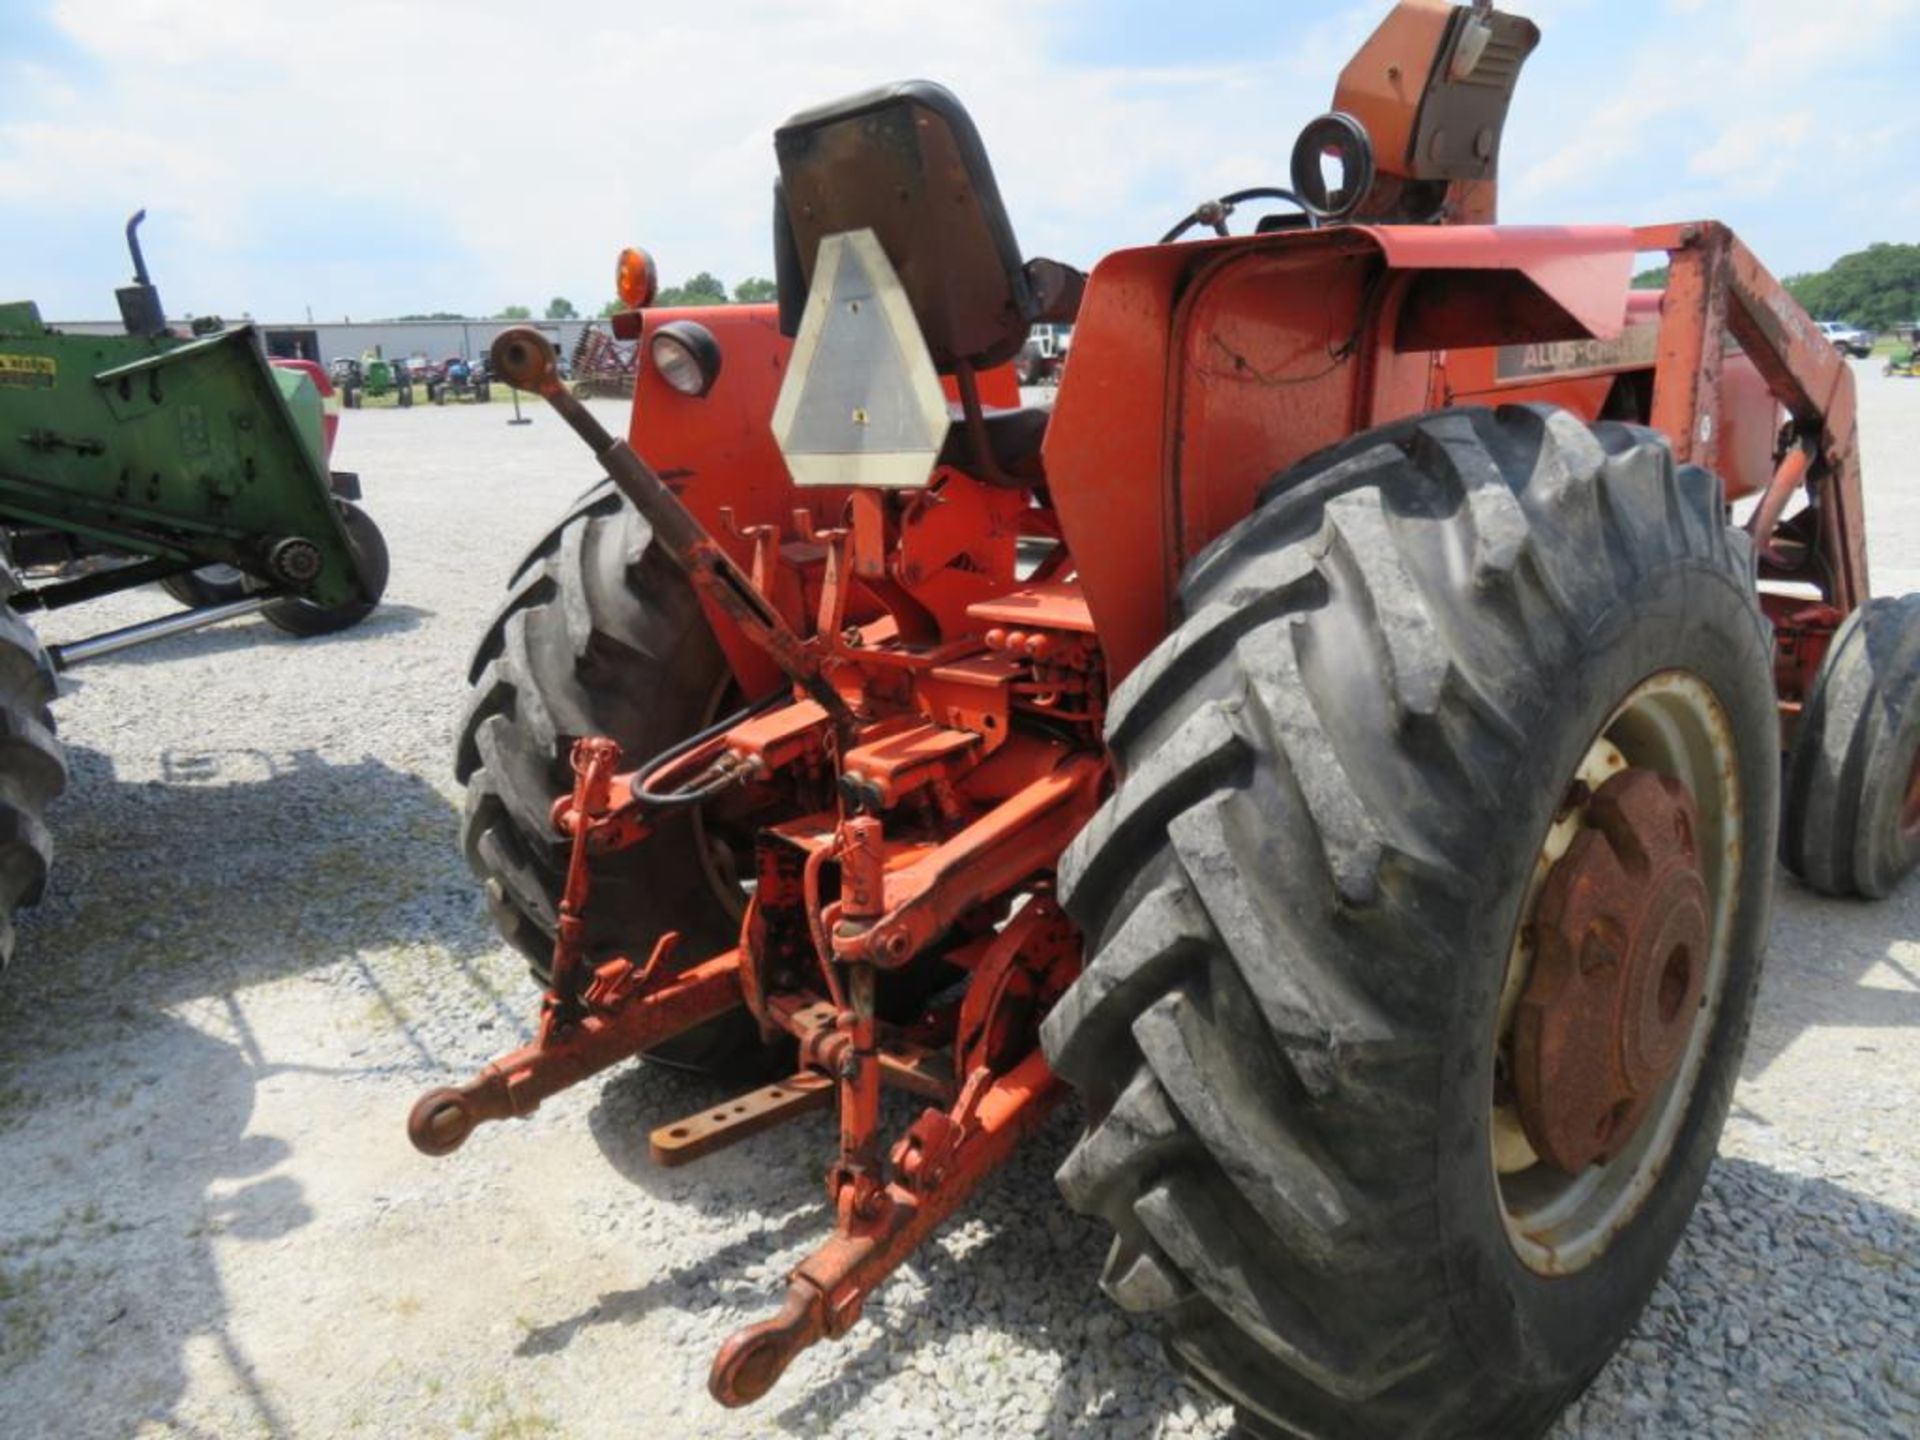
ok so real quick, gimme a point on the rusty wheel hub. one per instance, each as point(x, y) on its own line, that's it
point(1621, 934)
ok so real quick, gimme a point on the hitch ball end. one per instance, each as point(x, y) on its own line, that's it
point(440, 1122)
point(523, 357)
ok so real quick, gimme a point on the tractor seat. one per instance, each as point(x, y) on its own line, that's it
point(1014, 437)
point(906, 163)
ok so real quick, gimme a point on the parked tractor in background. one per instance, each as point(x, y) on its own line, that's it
point(460, 380)
point(148, 457)
point(1341, 740)
point(379, 379)
point(1904, 358)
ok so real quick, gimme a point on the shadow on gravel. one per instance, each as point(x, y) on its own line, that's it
point(1015, 1261)
point(1818, 966)
point(110, 1295)
point(249, 634)
point(1792, 1307)
point(714, 1275)
point(640, 1098)
point(229, 869)
point(235, 867)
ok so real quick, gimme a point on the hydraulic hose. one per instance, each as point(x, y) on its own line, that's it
point(685, 799)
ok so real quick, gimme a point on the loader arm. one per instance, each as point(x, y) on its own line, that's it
point(1717, 289)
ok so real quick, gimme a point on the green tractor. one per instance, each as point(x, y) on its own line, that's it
point(377, 378)
point(1904, 359)
point(149, 457)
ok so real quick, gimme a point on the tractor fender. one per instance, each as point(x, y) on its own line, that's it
point(1200, 369)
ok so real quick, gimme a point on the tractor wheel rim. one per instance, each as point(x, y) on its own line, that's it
point(1910, 804)
point(1558, 1221)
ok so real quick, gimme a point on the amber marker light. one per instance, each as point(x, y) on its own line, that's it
point(635, 280)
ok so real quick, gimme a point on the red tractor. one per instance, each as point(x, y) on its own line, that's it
point(1341, 742)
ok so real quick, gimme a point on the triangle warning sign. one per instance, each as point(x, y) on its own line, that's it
point(861, 403)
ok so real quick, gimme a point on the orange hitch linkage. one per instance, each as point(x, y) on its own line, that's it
point(584, 1027)
point(935, 1173)
point(937, 1164)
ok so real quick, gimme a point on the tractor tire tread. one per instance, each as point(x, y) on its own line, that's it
point(598, 635)
point(1851, 761)
point(1359, 666)
point(33, 771)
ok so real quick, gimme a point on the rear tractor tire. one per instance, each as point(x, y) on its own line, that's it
point(600, 635)
point(1851, 820)
point(33, 769)
point(1424, 924)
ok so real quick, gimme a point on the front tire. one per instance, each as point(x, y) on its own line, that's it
point(1338, 779)
point(1851, 825)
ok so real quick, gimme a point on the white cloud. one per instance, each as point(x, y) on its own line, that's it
point(538, 142)
point(1745, 110)
point(516, 147)
point(1757, 156)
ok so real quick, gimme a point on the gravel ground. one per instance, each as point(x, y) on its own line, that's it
point(262, 945)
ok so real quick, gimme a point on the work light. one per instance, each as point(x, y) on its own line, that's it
point(686, 355)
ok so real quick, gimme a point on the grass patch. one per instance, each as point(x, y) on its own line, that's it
point(26, 1311)
point(493, 1415)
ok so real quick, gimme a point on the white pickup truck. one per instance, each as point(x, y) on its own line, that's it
point(1847, 339)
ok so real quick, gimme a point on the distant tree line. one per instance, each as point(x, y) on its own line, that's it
point(1877, 288)
point(709, 289)
point(703, 289)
